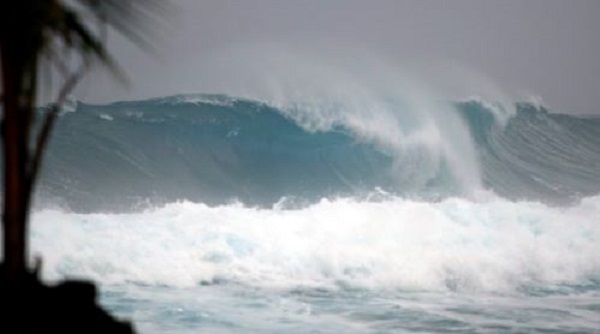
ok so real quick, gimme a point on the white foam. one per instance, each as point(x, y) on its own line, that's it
point(501, 110)
point(537, 102)
point(454, 244)
point(215, 100)
point(106, 117)
point(69, 105)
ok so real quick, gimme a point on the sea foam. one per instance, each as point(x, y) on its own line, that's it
point(455, 245)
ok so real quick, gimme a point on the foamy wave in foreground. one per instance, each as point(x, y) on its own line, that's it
point(454, 244)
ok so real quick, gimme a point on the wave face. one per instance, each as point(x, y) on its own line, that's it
point(217, 149)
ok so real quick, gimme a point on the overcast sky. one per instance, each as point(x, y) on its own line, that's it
point(543, 48)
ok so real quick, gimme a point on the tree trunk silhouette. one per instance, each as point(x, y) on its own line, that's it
point(55, 31)
point(19, 91)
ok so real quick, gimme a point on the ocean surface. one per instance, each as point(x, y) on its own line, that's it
point(218, 214)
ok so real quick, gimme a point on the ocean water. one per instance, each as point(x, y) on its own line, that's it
point(211, 213)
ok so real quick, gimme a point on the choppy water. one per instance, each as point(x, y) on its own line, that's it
point(344, 265)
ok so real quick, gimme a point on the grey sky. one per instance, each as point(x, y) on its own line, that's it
point(542, 48)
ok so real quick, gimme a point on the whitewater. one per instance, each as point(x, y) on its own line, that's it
point(216, 213)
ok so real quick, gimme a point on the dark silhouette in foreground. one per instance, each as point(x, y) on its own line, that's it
point(65, 38)
point(67, 307)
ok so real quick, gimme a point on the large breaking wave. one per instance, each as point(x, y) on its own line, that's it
point(217, 149)
point(209, 189)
